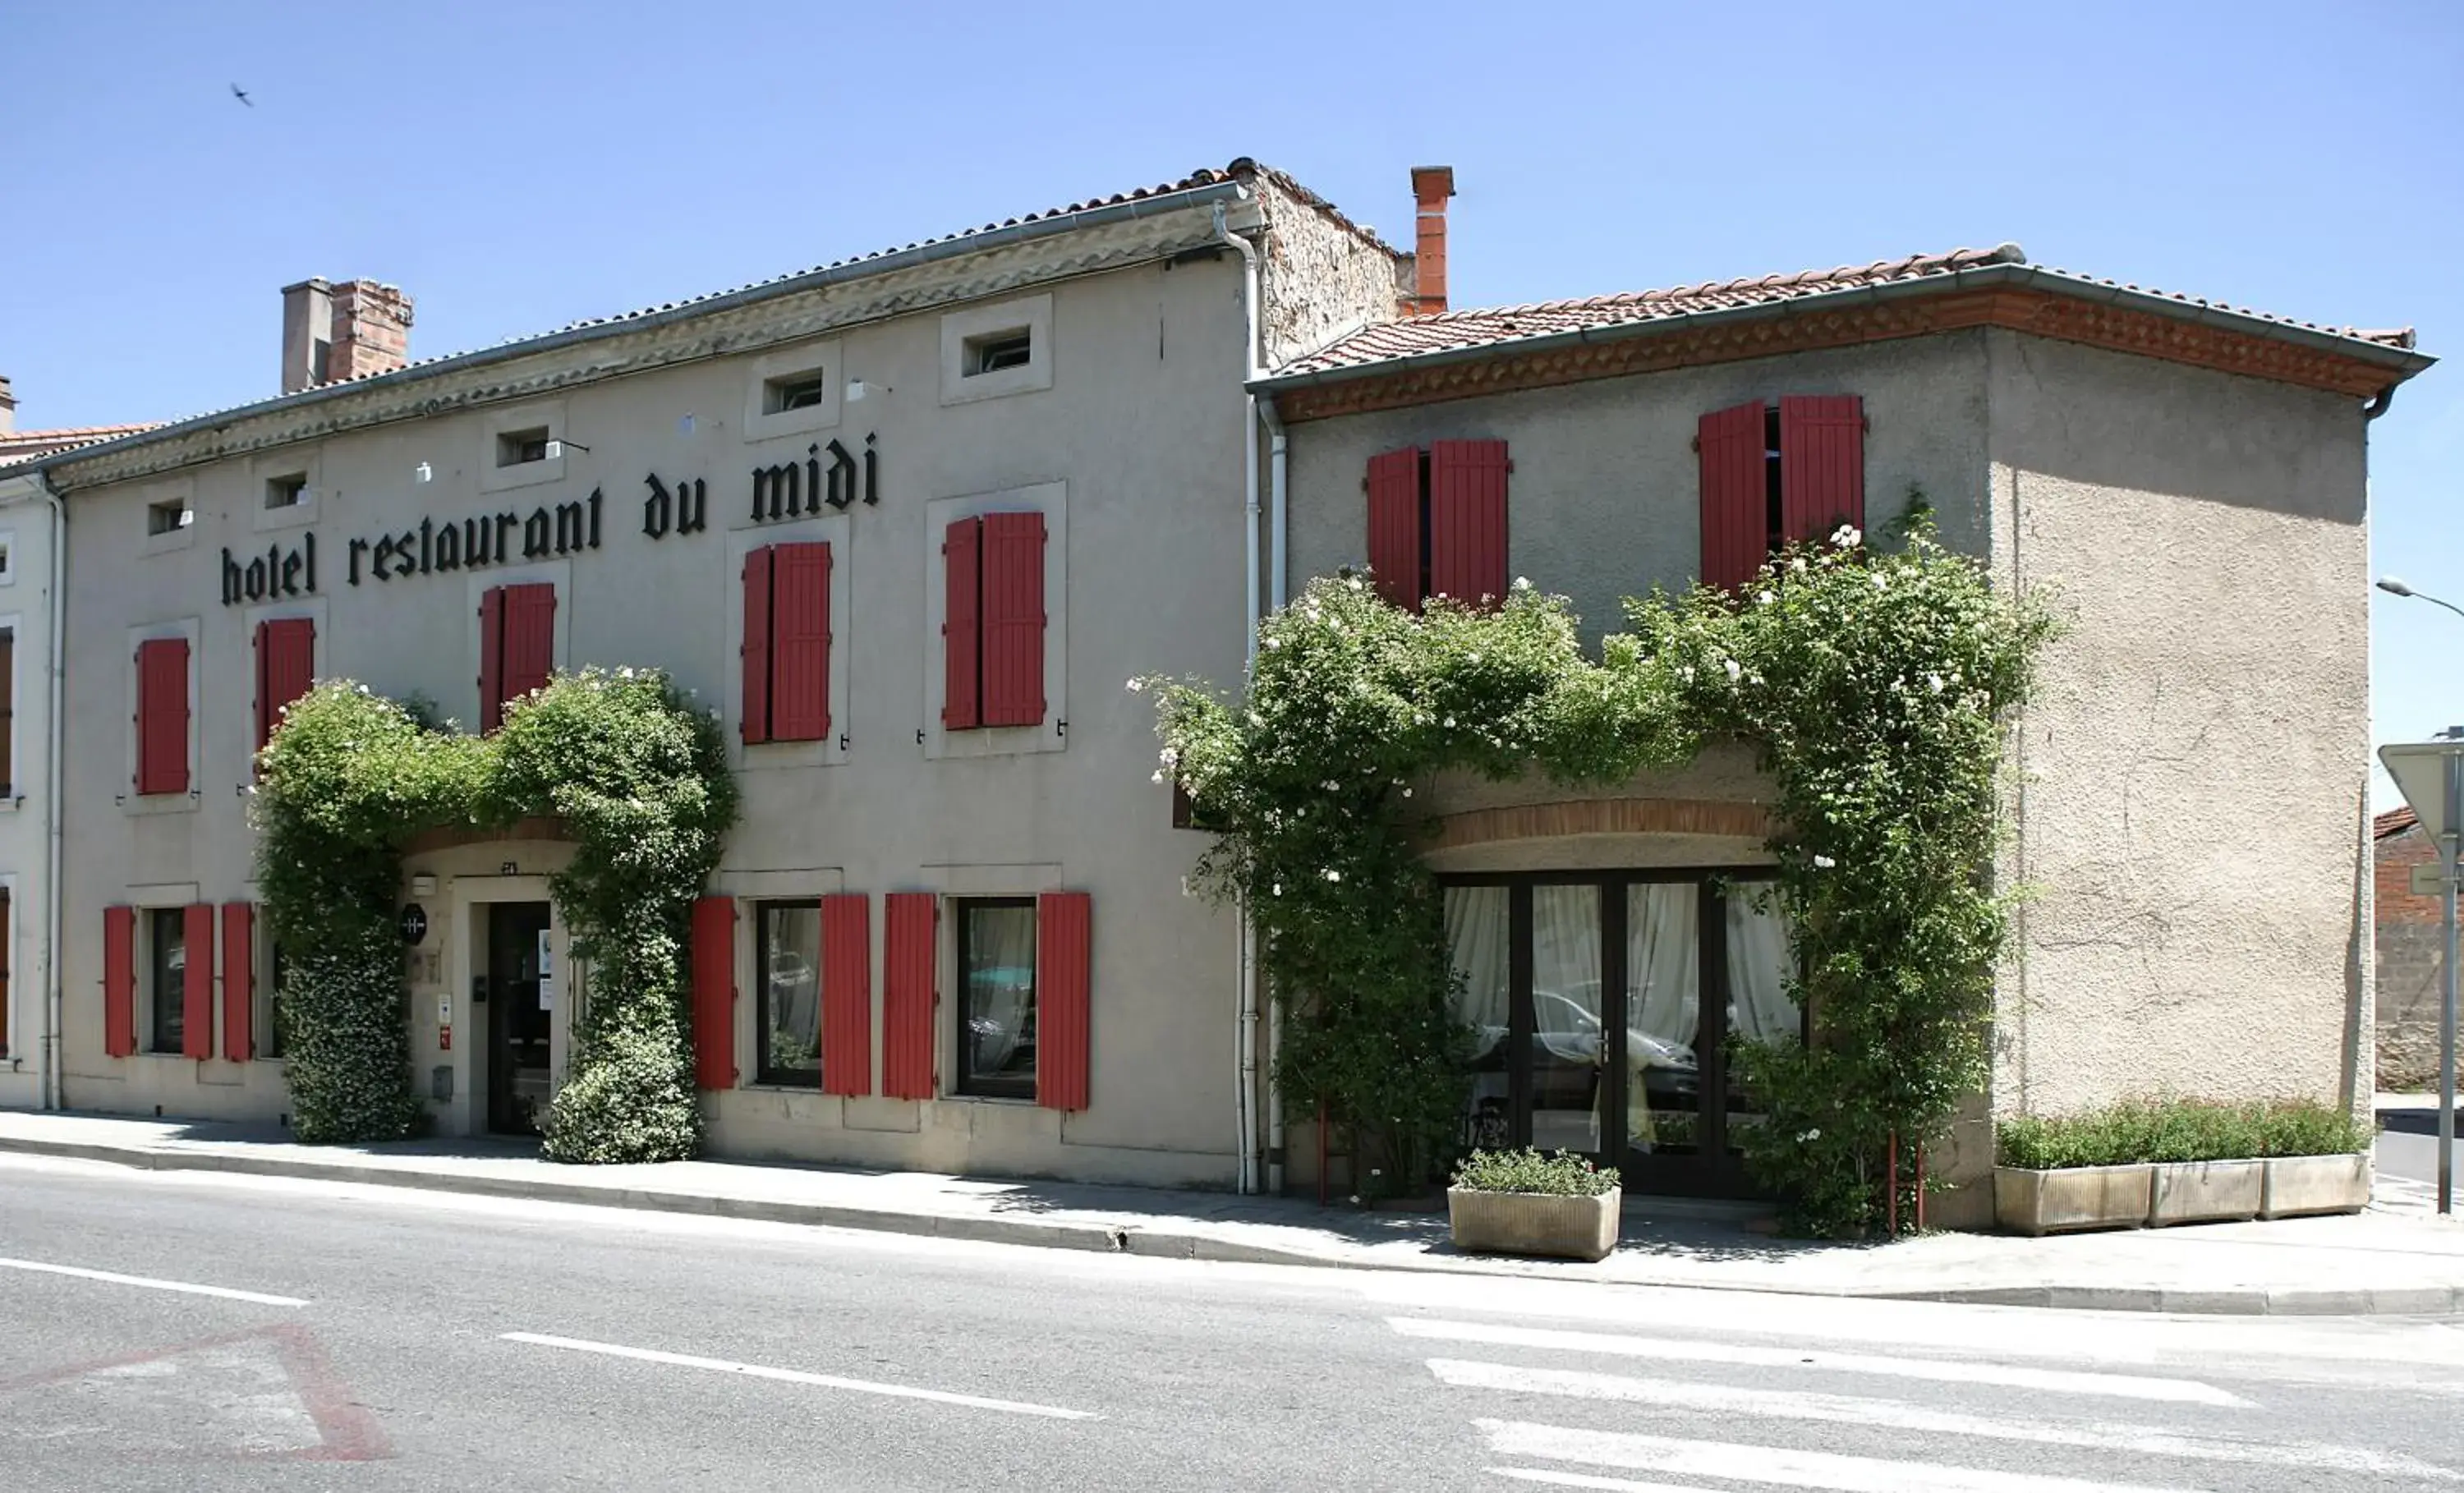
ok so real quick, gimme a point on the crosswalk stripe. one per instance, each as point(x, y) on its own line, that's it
point(1584, 1480)
point(2140, 1440)
point(1783, 1466)
point(2059, 1381)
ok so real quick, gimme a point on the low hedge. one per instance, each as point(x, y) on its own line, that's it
point(1563, 1174)
point(2178, 1129)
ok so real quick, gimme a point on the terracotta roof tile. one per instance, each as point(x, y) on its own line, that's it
point(16, 445)
point(1457, 331)
point(2394, 822)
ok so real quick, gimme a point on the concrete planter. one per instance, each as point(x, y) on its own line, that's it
point(1534, 1223)
point(2298, 1185)
point(2068, 1198)
point(2204, 1192)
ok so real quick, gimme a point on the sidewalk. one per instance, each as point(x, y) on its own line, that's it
point(2394, 1259)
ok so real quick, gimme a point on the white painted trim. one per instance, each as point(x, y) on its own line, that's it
point(837, 530)
point(131, 802)
point(308, 461)
point(549, 414)
point(1051, 499)
point(477, 583)
point(183, 489)
point(1029, 313)
point(822, 358)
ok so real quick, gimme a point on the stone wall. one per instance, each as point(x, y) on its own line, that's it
point(2411, 942)
point(1323, 274)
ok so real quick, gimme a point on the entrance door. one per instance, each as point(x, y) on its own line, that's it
point(520, 1009)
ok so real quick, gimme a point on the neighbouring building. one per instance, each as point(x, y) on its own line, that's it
point(2411, 948)
point(2188, 792)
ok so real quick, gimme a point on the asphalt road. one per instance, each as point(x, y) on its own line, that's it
point(463, 1343)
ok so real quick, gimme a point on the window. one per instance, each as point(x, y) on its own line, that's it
point(995, 351)
point(516, 448)
point(786, 646)
point(166, 978)
point(163, 715)
point(291, 492)
point(795, 391)
point(787, 1034)
point(1437, 522)
point(992, 629)
point(997, 1028)
point(1772, 477)
point(8, 713)
point(7, 942)
point(168, 516)
point(286, 666)
point(517, 646)
point(7, 558)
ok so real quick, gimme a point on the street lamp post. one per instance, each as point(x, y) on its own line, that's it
point(2450, 857)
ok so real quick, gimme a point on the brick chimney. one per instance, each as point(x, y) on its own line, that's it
point(331, 333)
point(7, 406)
point(1431, 186)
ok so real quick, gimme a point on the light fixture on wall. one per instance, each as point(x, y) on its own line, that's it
point(684, 424)
point(555, 448)
point(857, 390)
point(423, 473)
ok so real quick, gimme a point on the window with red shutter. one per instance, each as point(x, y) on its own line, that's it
point(961, 618)
point(1395, 526)
point(118, 981)
point(754, 650)
point(197, 982)
point(163, 715)
point(1063, 948)
point(1822, 466)
point(491, 659)
point(799, 642)
point(1467, 520)
point(239, 980)
point(714, 992)
point(910, 938)
point(1736, 516)
point(286, 667)
point(517, 646)
point(1012, 601)
point(847, 993)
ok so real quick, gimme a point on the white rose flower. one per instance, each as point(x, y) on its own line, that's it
point(1765, 598)
point(1811, 1135)
point(1157, 776)
point(1823, 862)
point(1335, 876)
point(1134, 686)
point(1736, 671)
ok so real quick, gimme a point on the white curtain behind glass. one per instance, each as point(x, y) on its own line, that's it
point(1001, 987)
point(1759, 1008)
point(1476, 940)
point(1662, 974)
point(1566, 964)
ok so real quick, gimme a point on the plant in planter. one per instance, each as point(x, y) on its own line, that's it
point(2179, 1161)
point(1521, 1202)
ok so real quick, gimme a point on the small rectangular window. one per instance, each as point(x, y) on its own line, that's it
point(997, 1012)
point(8, 717)
point(6, 942)
point(167, 971)
point(517, 448)
point(794, 391)
point(788, 1034)
point(995, 351)
point(291, 492)
point(168, 516)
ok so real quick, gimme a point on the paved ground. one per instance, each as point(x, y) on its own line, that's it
point(2394, 1259)
point(455, 1342)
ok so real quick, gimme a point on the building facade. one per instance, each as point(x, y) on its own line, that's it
point(2411, 953)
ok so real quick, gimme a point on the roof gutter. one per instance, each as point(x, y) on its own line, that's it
point(2402, 362)
point(979, 242)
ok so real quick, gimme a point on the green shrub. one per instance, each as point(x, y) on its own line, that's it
point(2178, 1129)
point(1564, 1174)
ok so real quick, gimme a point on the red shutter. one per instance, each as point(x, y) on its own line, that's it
point(1736, 537)
point(118, 981)
point(756, 651)
point(1467, 520)
point(163, 715)
point(286, 666)
point(197, 982)
point(714, 992)
point(239, 980)
point(530, 638)
point(1822, 465)
point(962, 570)
point(1064, 939)
point(800, 649)
point(491, 659)
point(909, 940)
point(847, 993)
point(1013, 620)
point(1395, 525)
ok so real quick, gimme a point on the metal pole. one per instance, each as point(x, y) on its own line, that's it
point(2453, 841)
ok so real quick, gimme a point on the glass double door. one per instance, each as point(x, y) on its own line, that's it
point(1601, 1006)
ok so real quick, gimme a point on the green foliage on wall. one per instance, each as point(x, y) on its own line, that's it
point(1870, 685)
point(639, 781)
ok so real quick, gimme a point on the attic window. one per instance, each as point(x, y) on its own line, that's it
point(518, 448)
point(995, 351)
point(794, 391)
point(168, 516)
point(291, 492)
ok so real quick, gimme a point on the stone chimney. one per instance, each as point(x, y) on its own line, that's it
point(1431, 186)
point(7, 406)
point(331, 333)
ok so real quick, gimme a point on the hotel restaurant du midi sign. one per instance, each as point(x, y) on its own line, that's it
point(830, 476)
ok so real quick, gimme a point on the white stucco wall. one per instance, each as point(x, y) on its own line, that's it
point(27, 530)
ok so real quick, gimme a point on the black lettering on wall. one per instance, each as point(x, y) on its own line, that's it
point(692, 505)
point(594, 517)
point(384, 554)
point(449, 547)
point(658, 510)
point(257, 581)
point(231, 580)
point(843, 477)
point(475, 541)
point(357, 546)
point(536, 535)
point(572, 527)
point(871, 473)
point(308, 544)
point(290, 578)
point(506, 524)
point(427, 543)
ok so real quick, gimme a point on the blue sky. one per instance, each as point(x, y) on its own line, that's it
point(517, 165)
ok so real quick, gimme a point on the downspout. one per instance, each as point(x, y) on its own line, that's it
point(1277, 573)
point(55, 1027)
point(1245, 1027)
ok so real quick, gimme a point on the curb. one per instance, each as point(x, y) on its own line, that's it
point(1180, 1245)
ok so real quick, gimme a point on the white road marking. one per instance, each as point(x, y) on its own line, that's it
point(799, 1376)
point(2138, 1441)
point(150, 1284)
point(2189, 1392)
point(1584, 1480)
point(1781, 1466)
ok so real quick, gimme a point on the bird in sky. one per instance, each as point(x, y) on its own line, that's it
point(241, 95)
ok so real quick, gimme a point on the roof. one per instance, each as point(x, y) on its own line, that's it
point(1472, 332)
point(2392, 822)
point(22, 445)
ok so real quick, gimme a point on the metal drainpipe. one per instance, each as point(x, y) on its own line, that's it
point(1245, 1027)
point(1277, 573)
point(54, 1066)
